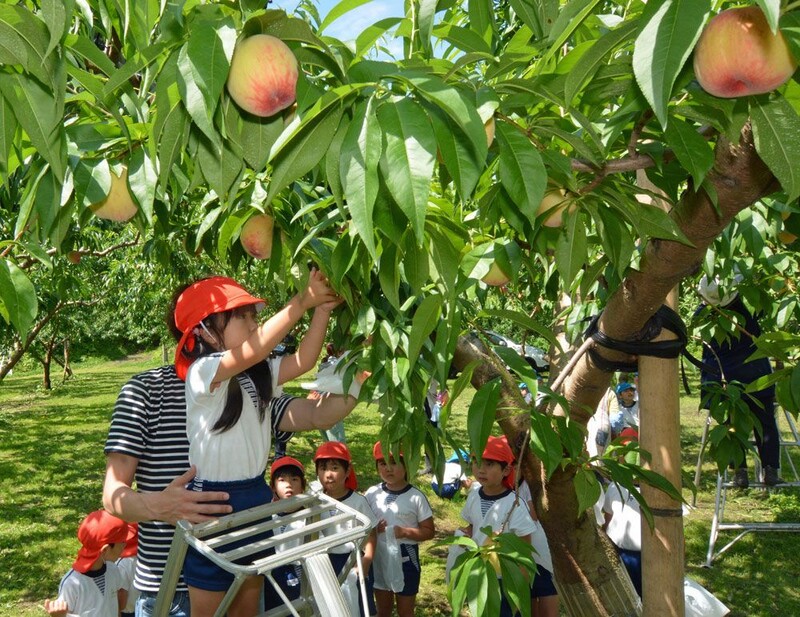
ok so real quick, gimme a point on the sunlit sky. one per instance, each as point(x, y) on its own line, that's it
point(356, 21)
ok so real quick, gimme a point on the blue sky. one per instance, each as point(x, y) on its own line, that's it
point(354, 22)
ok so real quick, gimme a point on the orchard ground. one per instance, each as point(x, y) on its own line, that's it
point(52, 464)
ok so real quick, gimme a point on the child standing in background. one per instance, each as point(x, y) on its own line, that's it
point(230, 408)
point(287, 479)
point(334, 466)
point(92, 586)
point(127, 567)
point(405, 519)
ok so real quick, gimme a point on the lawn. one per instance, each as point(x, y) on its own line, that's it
point(52, 464)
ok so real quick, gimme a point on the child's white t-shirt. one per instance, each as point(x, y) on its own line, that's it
point(92, 596)
point(519, 523)
point(241, 452)
point(404, 508)
point(625, 527)
point(538, 538)
point(358, 502)
point(127, 569)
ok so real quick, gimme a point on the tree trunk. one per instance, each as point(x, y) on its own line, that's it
point(46, 361)
point(586, 567)
point(67, 368)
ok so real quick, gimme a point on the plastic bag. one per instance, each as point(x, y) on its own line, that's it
point(388, 563)
point(700, 602)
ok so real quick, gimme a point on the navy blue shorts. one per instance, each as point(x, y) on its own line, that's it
point(202, 573)
point(543, 586)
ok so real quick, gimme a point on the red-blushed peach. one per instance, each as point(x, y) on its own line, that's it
point(118, 205)
point(738, 55)
point(495, 276)
point(263, 75)
point(256, 236)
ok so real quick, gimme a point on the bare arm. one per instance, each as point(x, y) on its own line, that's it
point(264, 338)
point(304, 414)
point(172, 504)
point(369, 550)
point(310, 347)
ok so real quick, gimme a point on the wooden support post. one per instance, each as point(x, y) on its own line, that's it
point(659, 434)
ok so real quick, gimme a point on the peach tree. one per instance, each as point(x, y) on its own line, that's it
point(385, 173)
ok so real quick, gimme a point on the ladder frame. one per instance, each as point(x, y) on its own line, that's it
point(723, 484)
point(257, 520)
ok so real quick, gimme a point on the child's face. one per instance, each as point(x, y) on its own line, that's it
point(392, 473)
point(332, 474)
point(241, 325)
point(627, 396)
point(490, 474)
point(287, 485)
point(113, 551)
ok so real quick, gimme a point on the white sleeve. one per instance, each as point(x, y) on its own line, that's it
point(201, 375)
point(424, 510)
point(521, 522)
point(274, 370)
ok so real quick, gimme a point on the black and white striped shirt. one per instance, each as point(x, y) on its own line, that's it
point(149, 424)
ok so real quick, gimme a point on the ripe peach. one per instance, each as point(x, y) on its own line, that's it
point(118, 205)
point(256, 236)
point(263, 75)
point(556, 200)
point(738, 55)
point(495, 276)
point(74, 257)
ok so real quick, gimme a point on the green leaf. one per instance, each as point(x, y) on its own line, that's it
point(424, 15)
point(567, 21)
point(776, 132)
point(408, 157)
point(545, 443)
point(221, 168)
point(257, 136)
point(415, 263)
point(389, 276)
point(772, 11)
point(8, 127)
point(587, 488)
point(38, 114)
point(691, 149)
point(48, 198)
point(535, 15)
point(366, 39)
point(572, 248)
point(142, 179)
point(464, 39)
point(18, 303)
point(360, 155)
point(25, 41)
point(457, 154)
point(522, 171)
point(422, 324)
point(305, 150)
point(524, 321)
point(200, 109)
point(54, 13)
point(586, 67)
point(339, 10)
point(481, 414)
point(662, 47)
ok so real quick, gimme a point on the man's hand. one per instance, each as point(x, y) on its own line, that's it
point(176, 503)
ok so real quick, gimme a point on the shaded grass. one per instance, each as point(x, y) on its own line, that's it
point(52, 465)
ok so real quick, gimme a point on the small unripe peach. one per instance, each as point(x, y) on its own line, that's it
point(118, 205)
point(74, 257)
point(556, 200)
point(263, 75)
point(495, 276)
point(738, 55)
point(256, 236)
point(489, 127)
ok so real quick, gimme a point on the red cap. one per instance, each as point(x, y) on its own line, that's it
point(96, 531)
point(377, 452)
point(336, 449)
point(131, 541)
point(497, 449)
point(198, 301)
point(286, 461)
point(628, 434)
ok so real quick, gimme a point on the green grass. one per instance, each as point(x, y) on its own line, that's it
point(52, 465)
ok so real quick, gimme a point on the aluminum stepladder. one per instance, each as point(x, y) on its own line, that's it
point(717, 521)
point(322, 594)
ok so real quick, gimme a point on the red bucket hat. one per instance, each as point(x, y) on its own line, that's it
point(336, 449)
point(198, 301)
point(285, 461)
point(96, 531)
point(131, 541)
point(497, 449)
point(628, 434)
point(377, 452)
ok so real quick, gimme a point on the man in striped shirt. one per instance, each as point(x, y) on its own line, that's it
point(147, 444)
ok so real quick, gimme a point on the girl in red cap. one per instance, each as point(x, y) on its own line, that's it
point(230, 400)
point(335, 473)
point(287, 479)
point(405, 519)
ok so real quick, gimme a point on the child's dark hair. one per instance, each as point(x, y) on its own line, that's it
point(259, 373)
point(322, 461)
point(291, 471)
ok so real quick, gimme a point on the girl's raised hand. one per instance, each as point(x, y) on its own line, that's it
point(318, 291)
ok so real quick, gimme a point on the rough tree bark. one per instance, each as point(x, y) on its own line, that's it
point(585, 565)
